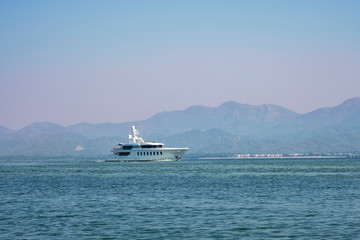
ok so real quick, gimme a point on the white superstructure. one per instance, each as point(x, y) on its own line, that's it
point(138, 150)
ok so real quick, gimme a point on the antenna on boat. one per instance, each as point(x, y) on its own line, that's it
point(129, 131)
point(134, 136)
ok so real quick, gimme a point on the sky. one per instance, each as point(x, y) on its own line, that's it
point(76, 61)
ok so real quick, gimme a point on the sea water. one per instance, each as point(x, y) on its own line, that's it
point(191, 199)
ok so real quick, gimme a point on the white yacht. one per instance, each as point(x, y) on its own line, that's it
point(137, 150)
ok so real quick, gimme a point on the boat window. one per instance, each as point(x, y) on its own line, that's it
point(160, 153)
point(127, 147)
point(123, 153)
point(150, 146)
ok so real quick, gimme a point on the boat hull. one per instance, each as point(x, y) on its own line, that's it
point(146, 155)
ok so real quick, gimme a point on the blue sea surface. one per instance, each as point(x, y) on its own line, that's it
point(191, 199)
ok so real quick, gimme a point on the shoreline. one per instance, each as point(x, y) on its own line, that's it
point(293, 157)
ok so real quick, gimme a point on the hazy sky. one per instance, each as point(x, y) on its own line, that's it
point(113, 61)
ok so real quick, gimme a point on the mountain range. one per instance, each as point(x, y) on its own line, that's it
point(227, 129)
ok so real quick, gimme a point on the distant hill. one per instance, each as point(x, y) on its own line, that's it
point(232, 117)
point(100, 130)
point(227, 129)
point(346, 113)
point(4, 131)
point(41, 128)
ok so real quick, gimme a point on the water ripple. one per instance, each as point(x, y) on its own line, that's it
point(206, 199)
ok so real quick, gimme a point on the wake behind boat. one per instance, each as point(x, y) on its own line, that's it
point(137, 150)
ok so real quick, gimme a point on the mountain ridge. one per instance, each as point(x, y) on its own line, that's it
point(230, 127)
